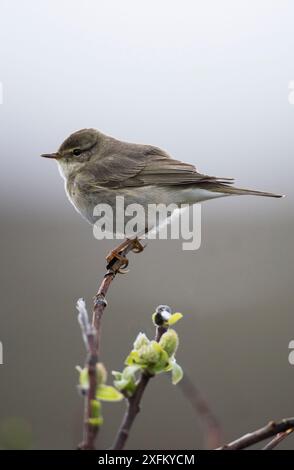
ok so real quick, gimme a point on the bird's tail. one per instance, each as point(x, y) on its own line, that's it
point(232, 190)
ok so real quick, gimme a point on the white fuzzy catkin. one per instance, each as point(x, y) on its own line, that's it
point(83, 319)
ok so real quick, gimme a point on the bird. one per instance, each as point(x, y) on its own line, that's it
point(97, 168)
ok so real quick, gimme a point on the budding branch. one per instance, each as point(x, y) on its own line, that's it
point(92, 338)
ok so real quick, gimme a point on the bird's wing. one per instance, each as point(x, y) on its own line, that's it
point(164, 170)
point(145, 166)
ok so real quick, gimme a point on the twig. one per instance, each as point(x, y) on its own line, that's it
point(214, 435)
point(270, 430)
point(276, 440)
point(92, 335)
point(133, 403)
point(89, 335)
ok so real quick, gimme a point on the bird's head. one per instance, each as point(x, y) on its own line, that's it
point(76, 150)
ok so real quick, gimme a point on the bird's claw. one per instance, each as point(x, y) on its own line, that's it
point(117, 255)
point(137, 246)
point(114, 256)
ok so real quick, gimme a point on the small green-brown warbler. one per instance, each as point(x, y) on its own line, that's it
point(97, 168)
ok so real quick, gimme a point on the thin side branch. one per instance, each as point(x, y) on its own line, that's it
point(133, 403)
point(278, 439)
point(271, 429)
point(213, 435)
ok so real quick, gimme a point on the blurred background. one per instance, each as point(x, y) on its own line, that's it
point(209, 83)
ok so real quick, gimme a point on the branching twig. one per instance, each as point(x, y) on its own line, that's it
point(92, 335)
point(133, 403)
point(213, 437)
point(270, 430)
point(276, 440)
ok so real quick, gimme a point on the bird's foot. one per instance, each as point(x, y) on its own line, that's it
point(114, 256)
point(117, 254)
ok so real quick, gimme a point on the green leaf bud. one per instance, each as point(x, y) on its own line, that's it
point(141, 340)
point(169, 342)
point(177, 373)
point(101, 373)
point(108, 393)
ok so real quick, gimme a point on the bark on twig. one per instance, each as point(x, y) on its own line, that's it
point(133, 403)
point(270, 430)
point(278, 439)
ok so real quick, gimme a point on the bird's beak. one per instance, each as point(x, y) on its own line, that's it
point(55, 155)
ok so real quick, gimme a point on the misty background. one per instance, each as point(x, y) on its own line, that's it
point(208, 82)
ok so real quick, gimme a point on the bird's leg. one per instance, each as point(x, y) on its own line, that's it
point(116, 254)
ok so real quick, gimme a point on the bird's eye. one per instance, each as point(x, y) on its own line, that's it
point(77, 152)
